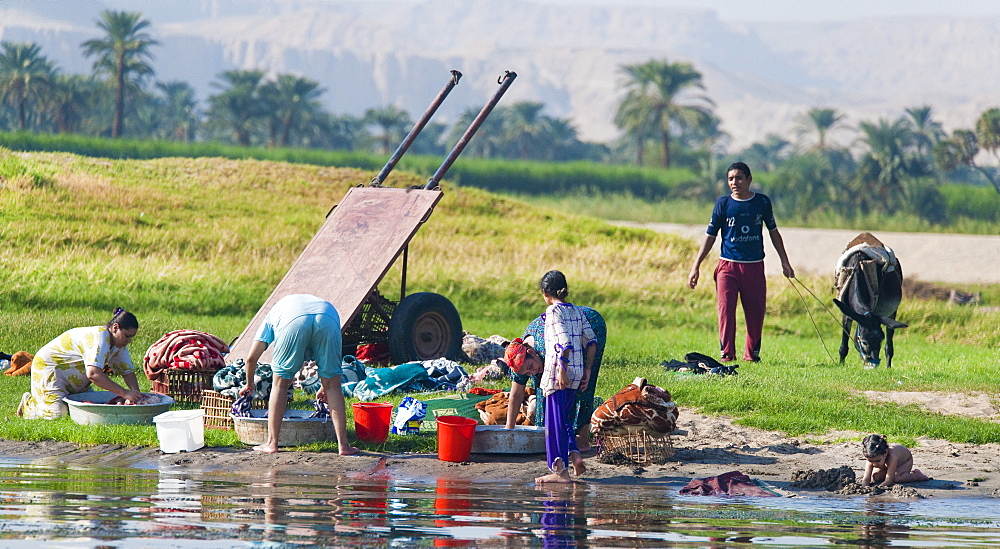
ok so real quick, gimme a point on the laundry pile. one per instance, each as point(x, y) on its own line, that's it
point(493, 411)
point(481, 351)
point(232, 378)
point(184, 350)
point(638, 407)
point(439, 374)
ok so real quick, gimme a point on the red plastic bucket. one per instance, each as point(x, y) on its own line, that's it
point(371, 421)
point(455, 437)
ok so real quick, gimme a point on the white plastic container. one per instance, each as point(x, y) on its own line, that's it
point(180, 430)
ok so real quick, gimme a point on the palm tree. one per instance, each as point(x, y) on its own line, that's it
point(489, 141)
point(988, 131)
point(563, 143)
point(767, 155)
point(238, 106)
point(393, 123)
point(888, 162)
point(122, 54)
point(653, 101)
point(633, 117)
point(961, 150)
point(926, 130)
point(948, 155)
point(25, 75)
point(525, 128)
point(988, 134)
point(72, 100)
point(291, 102)
point(179, 117)
point(820, 122)
point(431, 140)
point(343, 132)
point(707, 136)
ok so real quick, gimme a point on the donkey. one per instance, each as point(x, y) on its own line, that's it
point(869, 282)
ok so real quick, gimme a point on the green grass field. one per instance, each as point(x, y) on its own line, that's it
point(200, 244)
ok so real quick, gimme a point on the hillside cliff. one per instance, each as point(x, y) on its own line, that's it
point(567, 55)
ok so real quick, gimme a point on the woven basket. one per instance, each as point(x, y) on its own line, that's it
point(184, 385)
point(639, 447)
point(218, 408)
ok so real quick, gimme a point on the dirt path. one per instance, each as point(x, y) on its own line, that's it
point(930, 257)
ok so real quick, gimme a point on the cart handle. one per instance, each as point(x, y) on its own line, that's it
point(505, 81)
point(408, 140)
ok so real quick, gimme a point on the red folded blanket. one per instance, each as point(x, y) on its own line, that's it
point(184, 350)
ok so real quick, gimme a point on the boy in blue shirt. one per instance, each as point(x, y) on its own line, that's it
point(741, 217)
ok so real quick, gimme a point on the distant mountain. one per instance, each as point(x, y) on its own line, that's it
point(567, 55)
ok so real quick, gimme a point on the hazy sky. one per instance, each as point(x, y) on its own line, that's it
point(831, 10)
point(764, 10)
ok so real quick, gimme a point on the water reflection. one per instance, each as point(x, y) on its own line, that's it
point(564, 522)
point(149, 508)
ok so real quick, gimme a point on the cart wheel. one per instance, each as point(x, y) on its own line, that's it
point(424, 326)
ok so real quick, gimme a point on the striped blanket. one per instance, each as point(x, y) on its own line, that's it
point(638, 407)
point(184, 350)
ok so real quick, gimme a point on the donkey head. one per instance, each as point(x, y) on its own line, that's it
point(869, 335)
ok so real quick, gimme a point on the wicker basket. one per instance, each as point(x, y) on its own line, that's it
point(184, 385)
point(218, 408)
point(639, 447)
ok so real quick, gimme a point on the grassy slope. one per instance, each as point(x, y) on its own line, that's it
point(200, 243)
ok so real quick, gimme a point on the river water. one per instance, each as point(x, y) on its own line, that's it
point(70, 506)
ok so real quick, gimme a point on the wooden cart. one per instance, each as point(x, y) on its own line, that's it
point(359, 241)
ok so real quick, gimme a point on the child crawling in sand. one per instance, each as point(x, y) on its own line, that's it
point(888, 463)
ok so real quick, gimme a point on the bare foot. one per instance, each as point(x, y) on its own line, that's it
point(583, 443)
point(20, 407)
point(579, 467)
point(915, 476)
point(265, 449)
point(349, 450)
point(561, 477)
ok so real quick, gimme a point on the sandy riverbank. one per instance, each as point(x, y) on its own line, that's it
point(704, 446)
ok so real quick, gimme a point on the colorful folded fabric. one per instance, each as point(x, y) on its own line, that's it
point(20, 364)
point(184, 350)
point(637, 407)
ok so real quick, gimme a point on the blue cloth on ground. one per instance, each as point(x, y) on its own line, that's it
point(353, 370)
point(429, 375)
point(382, 381)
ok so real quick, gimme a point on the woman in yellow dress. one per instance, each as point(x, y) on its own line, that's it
point(71, 362)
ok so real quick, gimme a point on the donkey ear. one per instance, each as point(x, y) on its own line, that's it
point(849, 313)
point(891, 322)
